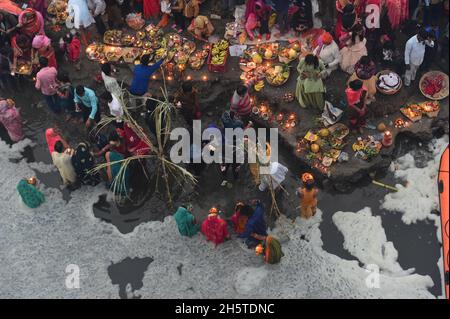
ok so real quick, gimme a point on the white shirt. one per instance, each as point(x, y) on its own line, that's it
point(115, 108)
point(329, 54)
point(415, 51)
point(111, 85)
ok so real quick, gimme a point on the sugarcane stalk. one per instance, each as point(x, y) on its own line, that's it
point(385, 186)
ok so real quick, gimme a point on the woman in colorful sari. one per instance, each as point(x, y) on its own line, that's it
point(152, 9)
point(135, 145)
point(201, 28)
point(62, 159)
point(310, 90)
point(83, 162)
point(21, 45)
point(43, 47)
point(348, 12)
point(29, 193)
point(356, 99)
point(118, 176)
point(270, 248)
point(11, 120)
point(186, 223)
point(366, 70)
point(52, 136)
point(256, 227)
point(31, 22)
point(239, 220)
point(215, 228)
point(354, 50)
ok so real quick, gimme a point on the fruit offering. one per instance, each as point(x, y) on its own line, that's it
point(277, 75)
point(269, 51)
point(290, 53)
point(219, 52)
point(128, 40)
point(113, 37)
point(197, 59)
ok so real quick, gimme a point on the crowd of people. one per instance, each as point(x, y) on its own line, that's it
point(357, 50)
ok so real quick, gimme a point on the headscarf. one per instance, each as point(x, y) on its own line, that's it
point(32, 22)
point(327, 38)
point(52, 138)
point(40, 41)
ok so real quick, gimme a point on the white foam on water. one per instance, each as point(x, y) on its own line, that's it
point(36, 245)
point(364, 238)
point(419, 197)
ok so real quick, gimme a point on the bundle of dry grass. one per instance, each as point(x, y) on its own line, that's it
point(166, 169)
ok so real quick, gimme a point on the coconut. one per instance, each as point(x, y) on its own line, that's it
point(292, 54)
point(381, 127)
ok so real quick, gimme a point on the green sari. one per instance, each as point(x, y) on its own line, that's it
point(185, 222)
point(123, 183)
point(30, 195)
point(310, 91)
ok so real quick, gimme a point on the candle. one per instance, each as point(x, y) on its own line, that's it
point(188, 78)
point(280, 116)
point(387, 139)
point(154, 77)
point(169, 78)
point(204, 78)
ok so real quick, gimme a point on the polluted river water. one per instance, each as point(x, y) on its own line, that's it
point(417, 244)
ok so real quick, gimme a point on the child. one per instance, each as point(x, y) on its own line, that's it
point(166, 11)
point(308, 196)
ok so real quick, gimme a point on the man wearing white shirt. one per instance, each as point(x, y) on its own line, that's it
point(115, 108)
point(414, 54)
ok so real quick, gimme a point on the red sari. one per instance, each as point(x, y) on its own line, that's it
point(134, 144)
point(215, 229)
point(152, 9)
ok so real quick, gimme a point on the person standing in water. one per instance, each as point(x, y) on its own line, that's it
point(308, 196)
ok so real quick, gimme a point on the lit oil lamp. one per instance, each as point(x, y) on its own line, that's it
point(153, 77)
point(205, 78)
point(280, 117)
point(188, 78)
point(170, 78)
point(292, 116)
point(387, 139)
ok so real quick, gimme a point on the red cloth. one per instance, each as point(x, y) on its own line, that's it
point(52, 138)
point(152, 9)
point(239, 222)
point(398, 11)
point(10, 7)
point(359, 9)
point(74, 50)
point(215, 229)
point(134, 144)
point(353, 97)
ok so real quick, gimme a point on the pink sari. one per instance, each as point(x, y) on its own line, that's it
point(52, 138)
point(12, 121)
